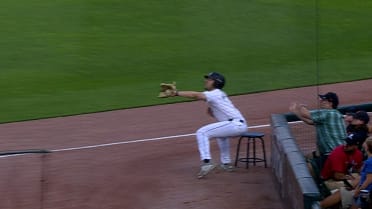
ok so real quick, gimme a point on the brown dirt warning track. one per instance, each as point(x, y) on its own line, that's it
point(145, 157)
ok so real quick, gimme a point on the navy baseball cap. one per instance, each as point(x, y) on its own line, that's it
point(330, 97)
point(355, 138)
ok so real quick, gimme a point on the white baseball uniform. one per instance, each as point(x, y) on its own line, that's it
point(230, 123)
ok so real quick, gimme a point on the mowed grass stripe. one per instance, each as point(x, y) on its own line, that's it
point(78, 56)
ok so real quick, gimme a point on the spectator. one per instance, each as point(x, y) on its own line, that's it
point(329, 122)
point(350, 196)
point(349, 115)
point(343, 163)
point(358, 126)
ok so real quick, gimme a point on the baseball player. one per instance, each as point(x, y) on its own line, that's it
point(230, 122)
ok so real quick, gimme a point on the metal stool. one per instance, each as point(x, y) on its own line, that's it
point(251, 138)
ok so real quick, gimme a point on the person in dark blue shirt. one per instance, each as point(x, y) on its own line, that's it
point(365, 185)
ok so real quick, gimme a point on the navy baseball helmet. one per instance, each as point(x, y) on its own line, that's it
point(219, 80)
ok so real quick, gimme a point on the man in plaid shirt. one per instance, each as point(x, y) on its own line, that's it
point(328, 121)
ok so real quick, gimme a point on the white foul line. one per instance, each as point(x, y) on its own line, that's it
point(139, 140)
point(135, 141)
point(122, 142)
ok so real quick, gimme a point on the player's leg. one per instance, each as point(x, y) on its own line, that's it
point(224, 145)
point(207, 132)
point(225, 158)
point(203, 136)
point(216, 130)
point(203, 144)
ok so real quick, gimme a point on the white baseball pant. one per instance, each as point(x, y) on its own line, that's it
point(221, 131)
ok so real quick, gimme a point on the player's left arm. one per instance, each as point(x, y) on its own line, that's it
point(192, 95)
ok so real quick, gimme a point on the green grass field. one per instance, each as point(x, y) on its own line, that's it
point(77, 56)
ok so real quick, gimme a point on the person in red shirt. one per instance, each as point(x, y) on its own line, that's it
point(344, 163)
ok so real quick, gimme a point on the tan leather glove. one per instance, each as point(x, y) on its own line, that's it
point(167, 90)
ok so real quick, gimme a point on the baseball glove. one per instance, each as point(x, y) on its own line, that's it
point(167, 90)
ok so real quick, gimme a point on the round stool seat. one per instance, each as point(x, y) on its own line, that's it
point(252, 134)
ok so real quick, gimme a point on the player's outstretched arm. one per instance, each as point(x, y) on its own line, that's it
point(191, 94)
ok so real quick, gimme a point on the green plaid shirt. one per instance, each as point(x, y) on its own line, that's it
point(330, 129)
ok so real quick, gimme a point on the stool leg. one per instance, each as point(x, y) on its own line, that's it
point(248, 144)
point(264, 151)
point(237, 152)
point(254, 151)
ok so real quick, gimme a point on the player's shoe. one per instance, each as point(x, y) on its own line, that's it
point(205, 169)
point(226, 167)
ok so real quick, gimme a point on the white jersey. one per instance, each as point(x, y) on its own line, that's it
point(221, 106)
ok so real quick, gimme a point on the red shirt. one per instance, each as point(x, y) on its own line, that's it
point(339, 161)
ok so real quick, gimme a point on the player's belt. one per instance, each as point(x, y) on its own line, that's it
point(242, 121)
